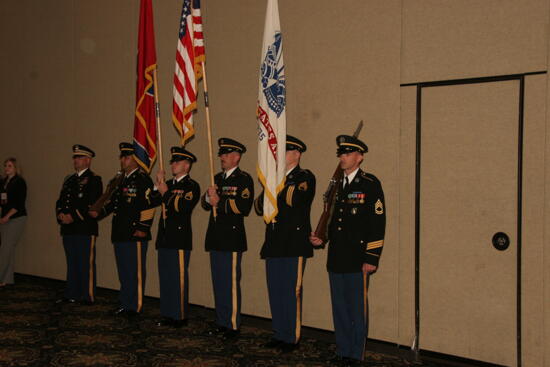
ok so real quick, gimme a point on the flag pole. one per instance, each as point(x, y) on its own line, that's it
point(157, 115)
point(159, 139)
point(209, 129)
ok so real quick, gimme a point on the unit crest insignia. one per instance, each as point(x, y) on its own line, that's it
point(273, 79)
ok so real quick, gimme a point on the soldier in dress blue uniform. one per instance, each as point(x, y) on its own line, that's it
point(132, 205)
point(232, 196)
point(287, 247)
point(179, 197)
point(356, 238)
point(79, 231)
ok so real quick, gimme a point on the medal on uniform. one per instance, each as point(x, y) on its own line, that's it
point(353, 211)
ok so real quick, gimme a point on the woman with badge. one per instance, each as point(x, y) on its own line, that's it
point(13, 194)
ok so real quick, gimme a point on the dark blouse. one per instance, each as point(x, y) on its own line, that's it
point(13, 195)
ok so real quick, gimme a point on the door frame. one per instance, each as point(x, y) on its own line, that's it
point(417, 241)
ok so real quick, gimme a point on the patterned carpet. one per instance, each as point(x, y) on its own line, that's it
point(36, 332)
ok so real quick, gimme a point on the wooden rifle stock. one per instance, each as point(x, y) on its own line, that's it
point(329, 198)
point(111, 187)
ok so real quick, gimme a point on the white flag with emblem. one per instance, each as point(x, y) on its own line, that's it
point(271, 113)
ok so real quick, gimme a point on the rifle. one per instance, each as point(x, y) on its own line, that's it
point(329, 198)
point(111, 187)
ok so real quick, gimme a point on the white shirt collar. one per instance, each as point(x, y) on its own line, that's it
point(80, 173)
point(176, 180)
point(229, 172)
point(351, 176)
point(131, 173)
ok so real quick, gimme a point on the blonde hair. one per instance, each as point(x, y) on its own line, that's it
point(13, 161)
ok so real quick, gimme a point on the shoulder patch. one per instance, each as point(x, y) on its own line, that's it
point(303, 186)
point(367, 176)
point(189, 195)
point(246, 193)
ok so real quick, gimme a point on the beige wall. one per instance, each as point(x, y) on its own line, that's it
point(69, 77)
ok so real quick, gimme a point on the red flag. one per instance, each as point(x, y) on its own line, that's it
point(145, 132)
point(189, 55)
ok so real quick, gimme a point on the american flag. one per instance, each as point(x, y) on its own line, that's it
point(189, 56)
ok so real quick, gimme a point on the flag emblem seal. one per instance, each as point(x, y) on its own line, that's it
point(273, 79)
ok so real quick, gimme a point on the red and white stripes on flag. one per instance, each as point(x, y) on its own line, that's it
point(189, 56)
point(271, 113)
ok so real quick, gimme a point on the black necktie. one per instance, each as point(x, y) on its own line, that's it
point(224, 176)
point(346, 183)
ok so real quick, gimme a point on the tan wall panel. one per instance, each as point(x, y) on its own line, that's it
point(407, 160)
point(468, 288)
point(533, 224)
point(546, 249)
point(42, 108)
point(454, 39)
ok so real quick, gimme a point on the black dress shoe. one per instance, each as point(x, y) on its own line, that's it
point(179, 323)
point(119, 311)
point(169, 322)
point(64, 300)
point(217, 330)
point(351, 362)
point(288, 347)
point(336, 361)
point(86, 302)
point(131, 314)
point(231, 334)
point(273, 343)
point(165, 321)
